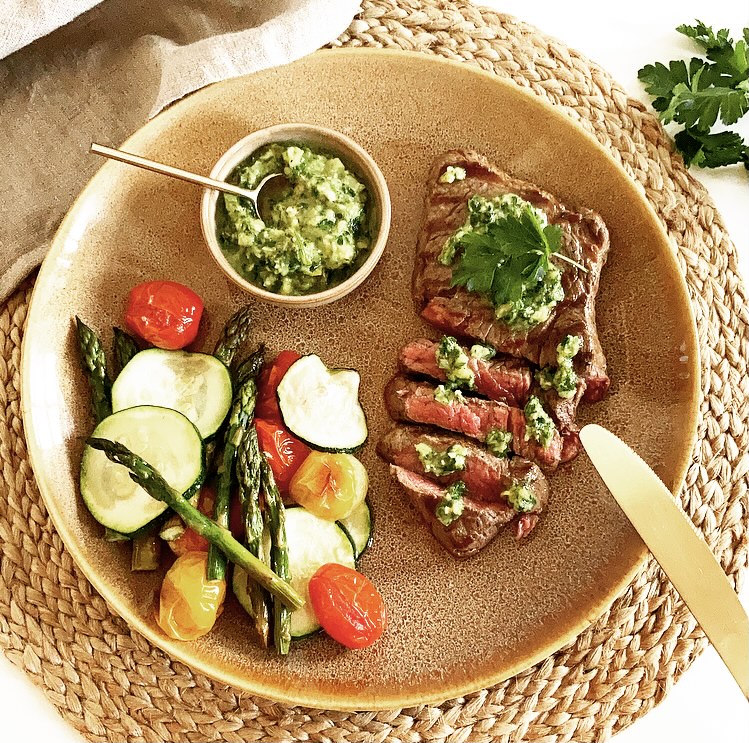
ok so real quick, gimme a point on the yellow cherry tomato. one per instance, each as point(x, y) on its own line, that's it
point(330, 485)
point(189, 604)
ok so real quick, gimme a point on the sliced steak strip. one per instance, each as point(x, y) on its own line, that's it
point(479, 523)
point(507, 379)
point(458, 312)
point(486, 476)
point(414, 402)
point(571, 445)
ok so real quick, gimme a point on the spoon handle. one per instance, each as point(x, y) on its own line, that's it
point(184, 175)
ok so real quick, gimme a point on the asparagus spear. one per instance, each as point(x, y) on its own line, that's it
point(250, 367)
point(240, 417)
point(216, 568)
point(125, 347)
point(279, 555)
point(95, 365)
point(151, 481)
point(248, 476)
point(233, 335)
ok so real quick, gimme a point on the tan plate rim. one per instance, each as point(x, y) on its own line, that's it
point(180, 651)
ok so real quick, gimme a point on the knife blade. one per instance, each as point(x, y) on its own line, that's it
point(676, 544)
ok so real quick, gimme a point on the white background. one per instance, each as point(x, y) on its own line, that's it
point(705, 705)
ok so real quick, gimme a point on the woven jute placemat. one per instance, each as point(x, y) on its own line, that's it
point(112, 685)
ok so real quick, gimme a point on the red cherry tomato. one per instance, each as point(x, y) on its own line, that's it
point(164, 313)
point(268, 381)
point(284, 452)
point(190, 540)
point(347, 605)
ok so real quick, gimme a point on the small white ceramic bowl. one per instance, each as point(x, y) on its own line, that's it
point(315, 137)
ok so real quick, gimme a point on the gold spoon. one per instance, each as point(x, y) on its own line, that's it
point(252, 195)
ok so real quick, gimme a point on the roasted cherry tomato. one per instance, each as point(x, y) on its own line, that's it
point(190, 540)
point(284, 452)
point(330, 485)
point(347, 605)
point(268, 381)
point(164, 313)
point(189, 604)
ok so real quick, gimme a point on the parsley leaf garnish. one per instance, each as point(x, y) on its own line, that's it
point(511, 264)
point(711, 150)
point(699, 93)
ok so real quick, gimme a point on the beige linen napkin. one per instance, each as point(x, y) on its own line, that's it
point(104, 73)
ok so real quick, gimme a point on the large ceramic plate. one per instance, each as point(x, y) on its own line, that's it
point(455, 626)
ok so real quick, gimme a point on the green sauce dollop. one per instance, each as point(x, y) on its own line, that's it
point(451, 506)
point(563, 378)
point(520, 497)
point(317, 233)
point(452, 459)
point(538, 424)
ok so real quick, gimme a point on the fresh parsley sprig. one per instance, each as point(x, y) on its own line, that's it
point(699, 92)
point(511, 263)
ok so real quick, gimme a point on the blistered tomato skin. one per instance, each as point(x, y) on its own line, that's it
point(268, 381)
point(330, 485)
point(189, 604)
point(347, 605)
point(284, 452)
point(190, 540)
point(164, 313)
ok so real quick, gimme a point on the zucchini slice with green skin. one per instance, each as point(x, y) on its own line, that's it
point(321, 406)
point(358, 528)
point(194, 384)
point(312, 542)
point(241, 591)
point(166, 439)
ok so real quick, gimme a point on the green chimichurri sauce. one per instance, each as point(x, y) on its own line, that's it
point(453, 360)
point(499, 442)
point(538, 424)
point(317, 231)
point(520, 497)
point(451, 506)
point(452, 459)
point(563, 378)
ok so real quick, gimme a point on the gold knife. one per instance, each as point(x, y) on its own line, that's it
point(677, 546)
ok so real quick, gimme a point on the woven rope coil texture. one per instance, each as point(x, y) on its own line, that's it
point(112, 685)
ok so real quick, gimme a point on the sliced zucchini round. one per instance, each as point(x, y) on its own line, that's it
point(312, 543)
point(195, 384)
point(165, 439)
point(321, 405)
point(358, 528)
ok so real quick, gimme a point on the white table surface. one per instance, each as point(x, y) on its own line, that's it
point(705, 705)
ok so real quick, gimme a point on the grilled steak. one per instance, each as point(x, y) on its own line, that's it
point(570, 444)
point(563, 410)
point(471, 531)
point(507, 379)
point(465, 314)
point(414, 402)
point(485, 475)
